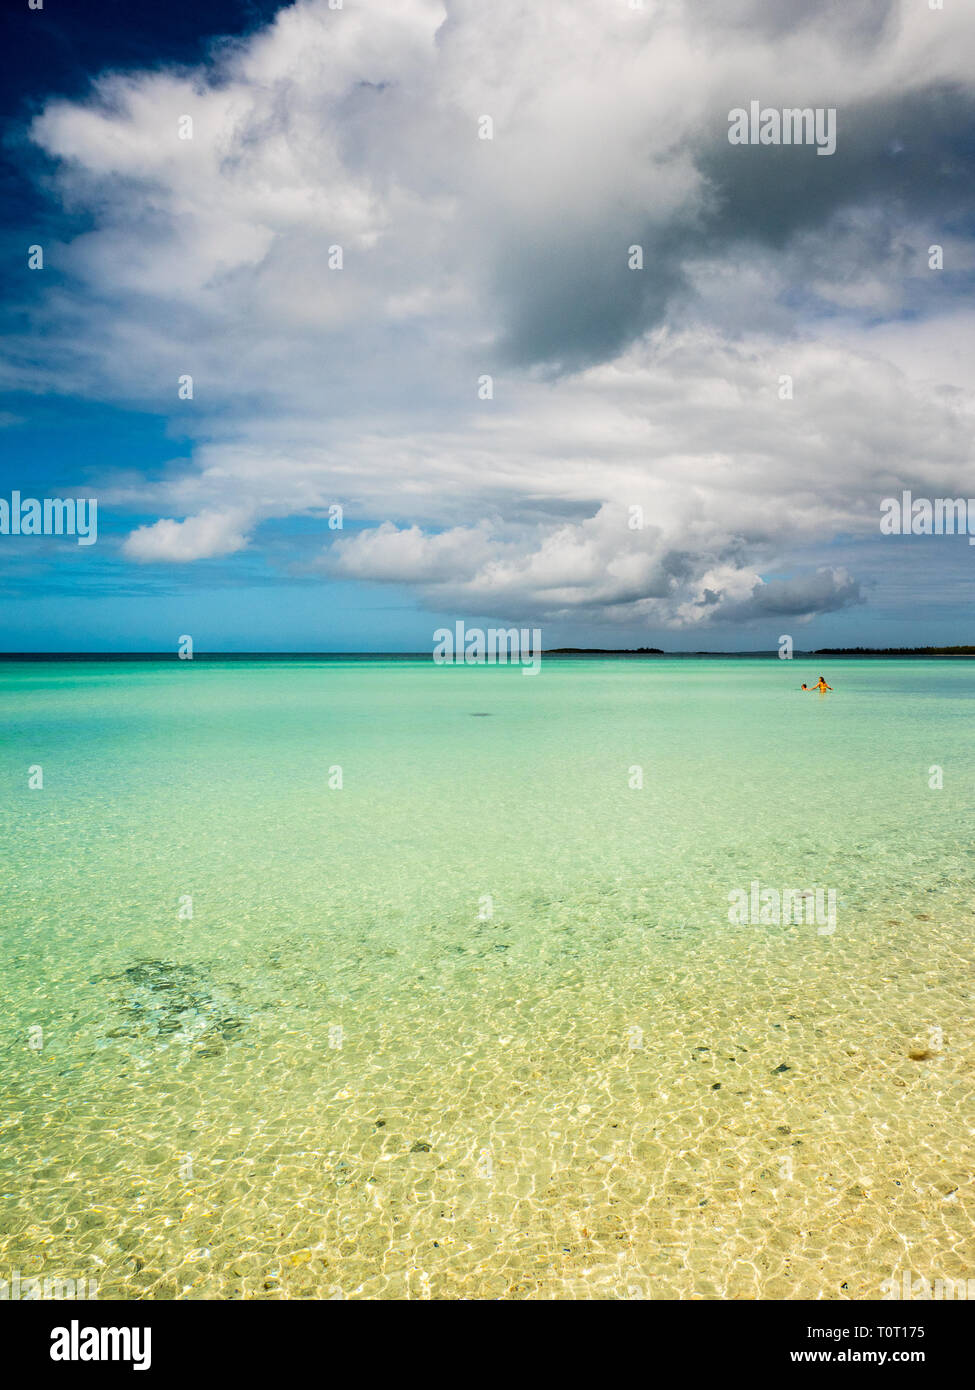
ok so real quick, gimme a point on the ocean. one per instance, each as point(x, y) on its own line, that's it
point(372, 978)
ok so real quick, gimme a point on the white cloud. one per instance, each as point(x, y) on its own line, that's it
point(197, 538)
point(613, 388)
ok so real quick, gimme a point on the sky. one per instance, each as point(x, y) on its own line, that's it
point(490, 286)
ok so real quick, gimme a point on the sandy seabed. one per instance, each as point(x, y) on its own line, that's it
point(485, 1121)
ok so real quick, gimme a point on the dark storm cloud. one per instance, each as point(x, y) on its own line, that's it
point(822, 592)
point(574, 305)
point(909, 159)
point(913, 154)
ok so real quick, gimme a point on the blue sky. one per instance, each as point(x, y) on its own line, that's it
point(635, 474)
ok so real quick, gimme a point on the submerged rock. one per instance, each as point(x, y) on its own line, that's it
point(163, 998)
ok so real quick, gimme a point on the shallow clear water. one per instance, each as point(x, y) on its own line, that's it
point(477, 1024)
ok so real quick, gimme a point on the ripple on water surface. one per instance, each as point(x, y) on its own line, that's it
point(476, 1024)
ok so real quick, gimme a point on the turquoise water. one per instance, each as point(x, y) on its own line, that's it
point(489, 940)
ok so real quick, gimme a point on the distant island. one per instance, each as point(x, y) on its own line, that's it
point(895, 651)
point(820, 651)
point(173, 655)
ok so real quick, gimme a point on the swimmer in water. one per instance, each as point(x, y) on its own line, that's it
point(821, 685)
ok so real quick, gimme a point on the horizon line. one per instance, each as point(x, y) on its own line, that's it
point(642, 652)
